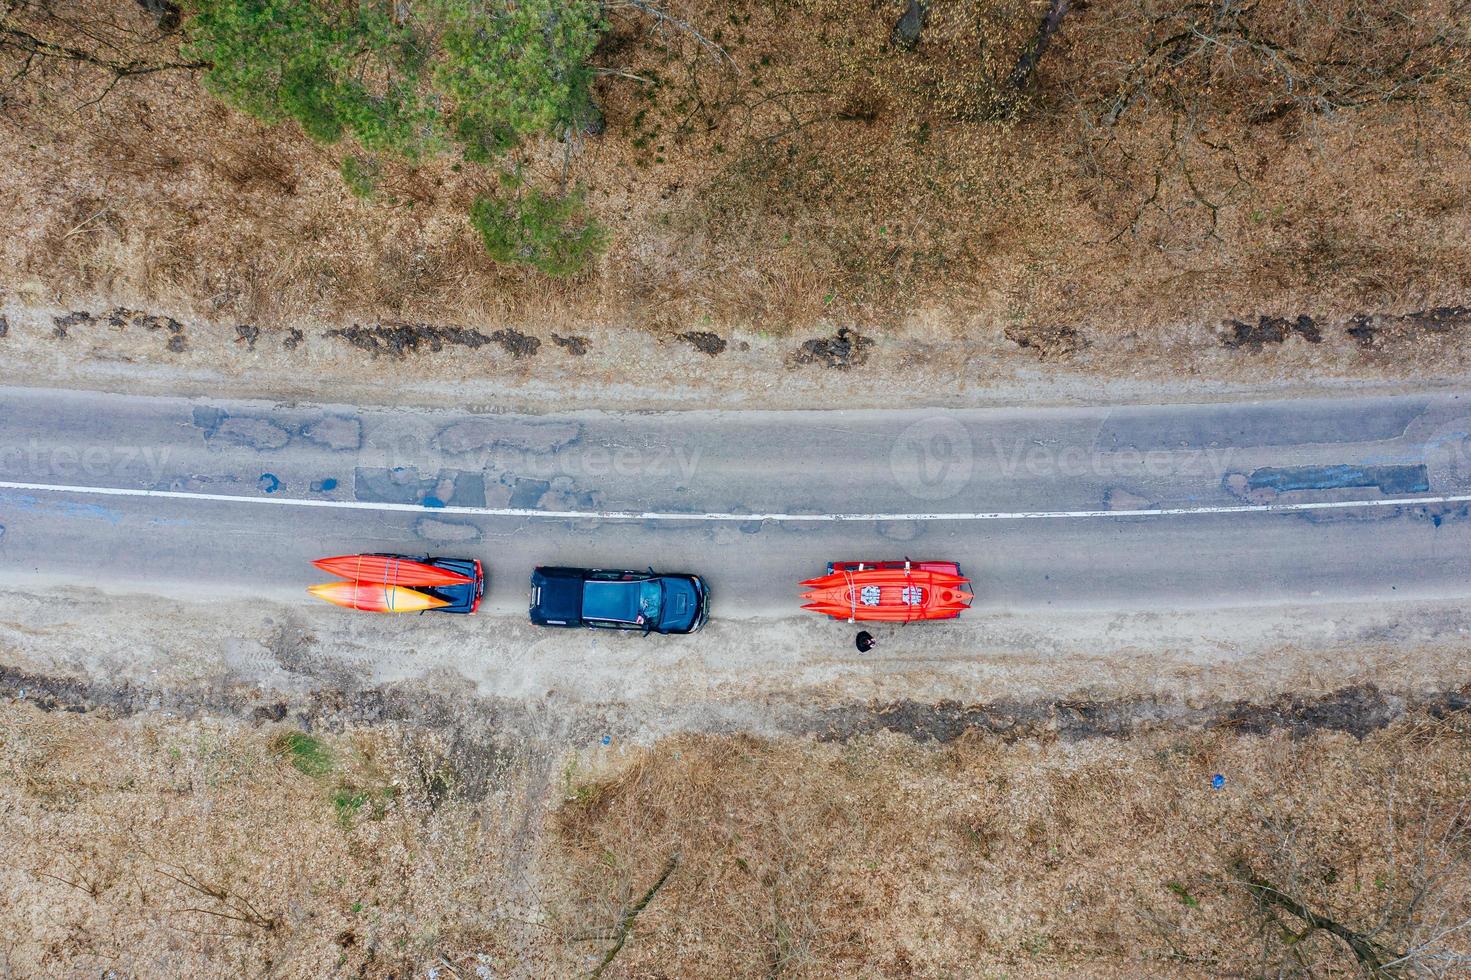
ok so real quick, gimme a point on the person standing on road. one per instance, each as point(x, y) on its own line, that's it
point(866, 642)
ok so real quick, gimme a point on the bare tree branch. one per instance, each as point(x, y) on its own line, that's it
point(625, 923)
point(1026, 65)
point(663, 16)
point(1374, 957)
point(236, 908)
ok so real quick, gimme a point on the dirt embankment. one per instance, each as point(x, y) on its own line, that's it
point(819, 214)
point(1357, 710)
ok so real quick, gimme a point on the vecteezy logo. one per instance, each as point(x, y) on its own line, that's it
point(933, 458)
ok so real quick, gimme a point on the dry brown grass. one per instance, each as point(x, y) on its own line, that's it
point(824, 177)
point(154, 846)
point(1105, 858)
point(170, 848)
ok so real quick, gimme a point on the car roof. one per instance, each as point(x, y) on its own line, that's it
point(613, 601)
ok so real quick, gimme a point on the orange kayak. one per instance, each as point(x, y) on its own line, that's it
point(388, 570)
point(888, 592)
point(372, 597)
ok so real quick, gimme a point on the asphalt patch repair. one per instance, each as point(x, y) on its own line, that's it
point(1391, 479)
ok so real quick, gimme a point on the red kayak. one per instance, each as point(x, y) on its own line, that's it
point(389, 570)
point(889, 591)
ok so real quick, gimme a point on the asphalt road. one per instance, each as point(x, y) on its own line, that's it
point(1147, 507)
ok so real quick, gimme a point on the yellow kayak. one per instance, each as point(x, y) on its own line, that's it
point(372, 597)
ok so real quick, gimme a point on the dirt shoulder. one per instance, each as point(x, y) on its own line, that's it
point(1085, 673)
point(101, 346)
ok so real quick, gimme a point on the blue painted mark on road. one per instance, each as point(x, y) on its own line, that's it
point(324, 486)
point(66, 508)
point(269, 483)
point(93, 512)
point(209, 419)
point(433, 502)
point(1391, 479)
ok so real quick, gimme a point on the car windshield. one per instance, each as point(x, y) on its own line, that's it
point(650, 601)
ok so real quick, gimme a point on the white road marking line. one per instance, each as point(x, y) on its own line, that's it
point(654, 515)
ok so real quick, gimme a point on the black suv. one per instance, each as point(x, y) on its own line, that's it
point(643, 601)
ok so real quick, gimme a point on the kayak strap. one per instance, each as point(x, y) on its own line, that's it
point(908, 579)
